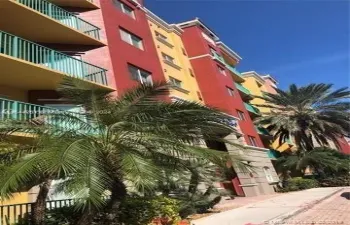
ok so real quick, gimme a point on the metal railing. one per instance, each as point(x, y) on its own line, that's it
point(229, 67)
point(62, 16)
point(251, 108)
point(242, 89)
point(17, 47)
point(10, 214)
point(15, 110)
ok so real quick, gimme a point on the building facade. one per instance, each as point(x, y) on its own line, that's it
point(41, 43)
point(257, 85)
point(214, 66)
point(116, 44)
point(174, 61)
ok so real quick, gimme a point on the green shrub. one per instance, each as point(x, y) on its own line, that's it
point(299, 183)
point(134, 210)
point(141, 211)
point(198, 204)
point(339, 181)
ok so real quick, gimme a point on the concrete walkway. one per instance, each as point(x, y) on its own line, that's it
point(270, 211)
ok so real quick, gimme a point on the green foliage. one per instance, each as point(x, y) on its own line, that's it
point(133, 139)
point(321, 161)
point(198, 204)
point(312, 112)
point(299, 183)
point(339, 181)
point(142, 210)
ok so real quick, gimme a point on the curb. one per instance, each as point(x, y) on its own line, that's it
point(280, 219)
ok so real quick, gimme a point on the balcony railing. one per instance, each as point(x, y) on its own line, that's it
point(62, 16)
point(22, 49)
point(10, 214)
point(251, 108)
point(233, 70)
point(242, 89)
point(229, 67)
point(262, 131)
point(16, 110)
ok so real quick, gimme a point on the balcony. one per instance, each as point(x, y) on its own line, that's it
point(44, 22)
point(244, 91)
point(30, 66)
point(15, 110)
point(86, 4)
point(262, 131)
point(252, 109)
point(237, 76)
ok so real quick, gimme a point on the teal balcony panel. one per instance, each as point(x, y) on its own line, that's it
point(62, 16)
point(229, 67)
point(273, 154)
point(262, 131)
point(233, 70)
point(251, 108)
point(31, 52)
point(22, 111)
point(242, 89)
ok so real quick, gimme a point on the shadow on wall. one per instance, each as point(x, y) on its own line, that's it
point(345, 195)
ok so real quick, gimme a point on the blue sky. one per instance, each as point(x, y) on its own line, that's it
point(296, 41)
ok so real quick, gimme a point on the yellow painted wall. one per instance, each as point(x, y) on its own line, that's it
point(255, 88)
point(189, 82)
point(13, 93)
point(18, 198)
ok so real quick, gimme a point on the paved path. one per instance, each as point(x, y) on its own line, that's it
point(271, 211)
point(335, 210)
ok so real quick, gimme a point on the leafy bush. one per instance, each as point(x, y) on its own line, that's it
point(198, 204)
point(340, 181)
point(134, 210)
point(299, 183)
point(141, 211)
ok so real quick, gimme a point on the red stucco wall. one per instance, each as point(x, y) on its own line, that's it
point(343, 145)
point(212, 83)
point(123, 53)
point(119, 52)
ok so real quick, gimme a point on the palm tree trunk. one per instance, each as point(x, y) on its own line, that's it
point(86, 218)
point(39, 207)
point(118, 195)
point(194, 182)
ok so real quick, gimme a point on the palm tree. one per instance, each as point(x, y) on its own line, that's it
point(322, 160)
point(116, 145)
point(23, 168)
point(312, 112)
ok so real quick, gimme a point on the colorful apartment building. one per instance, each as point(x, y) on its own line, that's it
point(214, 67)
point(175, 63)
point(114, 45)
point(41, 43)
point(257, 85)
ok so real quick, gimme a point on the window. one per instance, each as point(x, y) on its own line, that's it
point(124, 8)
point(241, 115)
point(168, 58)
point(199, 96)
point(183, 51)
point(140, 74)
point(175, 82)
point(161, 36)
point(212, 51)
point(221, 70)
point(230, 91)
point(268, 174)
point(191, 72)
point(252, 141)
point(131, 39)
